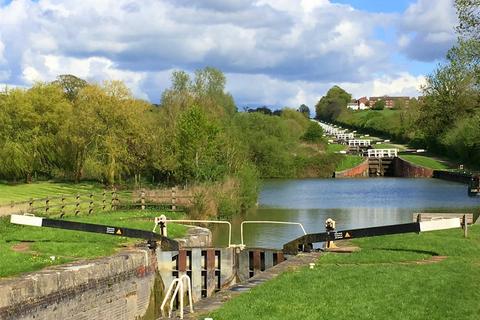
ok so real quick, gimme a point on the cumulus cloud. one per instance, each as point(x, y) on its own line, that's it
point(273, 51)
point(427, 29)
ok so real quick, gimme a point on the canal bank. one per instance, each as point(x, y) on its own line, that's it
point(127, 285)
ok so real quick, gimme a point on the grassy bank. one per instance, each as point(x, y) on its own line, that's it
point(25, 248)
point(425, 162)
point(380, 282)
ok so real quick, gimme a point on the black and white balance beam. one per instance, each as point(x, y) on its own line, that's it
point(28, 220)
point(294, 246)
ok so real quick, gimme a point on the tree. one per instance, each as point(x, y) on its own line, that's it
point(314, 133)
point(379, 105)
point(305, 110)
point(330, 106)
point(399, 104)
point(468, 12)
point(70, 85)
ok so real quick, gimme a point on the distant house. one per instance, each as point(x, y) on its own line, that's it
point(358, 104)
point(390, 101)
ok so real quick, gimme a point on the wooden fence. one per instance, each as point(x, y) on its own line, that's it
point(80, 203)
point(172, 198)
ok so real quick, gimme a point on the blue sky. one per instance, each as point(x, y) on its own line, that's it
point(273, 52)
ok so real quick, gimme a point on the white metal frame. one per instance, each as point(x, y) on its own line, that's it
point(382, 153)
point(179, 291)
point(203, 221)
point(359, 142)
point(267, 222)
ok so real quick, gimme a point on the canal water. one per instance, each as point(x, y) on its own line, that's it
point(352, 203)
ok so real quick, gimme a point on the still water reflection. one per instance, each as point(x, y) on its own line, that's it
point(353, 203)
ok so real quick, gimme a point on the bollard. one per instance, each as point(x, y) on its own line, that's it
point(330, 227)
point(142, 199)
point(465, 226)
point(162, 223)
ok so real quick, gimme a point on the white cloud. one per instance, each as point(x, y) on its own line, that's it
point(277, 52)
point(427, 29)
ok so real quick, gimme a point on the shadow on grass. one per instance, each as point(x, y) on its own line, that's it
point(432, 253)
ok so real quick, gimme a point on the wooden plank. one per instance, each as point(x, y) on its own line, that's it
point(445, 215)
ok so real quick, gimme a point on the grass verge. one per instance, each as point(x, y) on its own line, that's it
point(424, 162)
point(25, 248)
point(375, 283)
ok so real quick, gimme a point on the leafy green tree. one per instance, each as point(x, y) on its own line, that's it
point(331, 105)
point(70, 85)
point(314, 133)
point(379, 105)
point(197, 147)
point(305, 110)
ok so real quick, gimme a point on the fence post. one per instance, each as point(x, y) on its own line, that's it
point(104, 200)
point(174, 200)
point(113, 204)
point(90, 204)
point(47, 205)
point(142, 199)
point(465, 226)
point(62, 208)
point(77, 204)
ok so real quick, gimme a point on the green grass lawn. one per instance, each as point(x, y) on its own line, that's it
point(335, 147)
point(375, 283)
point(23, 192)
point(425, 161)
point(64, 245)
point(349, 161)
point(388, 146)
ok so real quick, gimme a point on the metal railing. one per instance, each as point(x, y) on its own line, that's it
point(178, 291)
point(267, 222)
point(359, 142)
point(202, 221)
point(382, 153)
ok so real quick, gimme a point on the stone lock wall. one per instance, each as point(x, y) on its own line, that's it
point(117, 287)
point(129, 285)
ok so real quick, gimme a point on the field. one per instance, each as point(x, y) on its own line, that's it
point(392, 277)
point(23, 192)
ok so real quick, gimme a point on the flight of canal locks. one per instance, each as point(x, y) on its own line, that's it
point(295, 222)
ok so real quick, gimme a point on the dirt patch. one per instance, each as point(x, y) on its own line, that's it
point(21, 247)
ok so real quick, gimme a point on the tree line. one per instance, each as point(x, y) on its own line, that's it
point(73, 130)
point(446, 119)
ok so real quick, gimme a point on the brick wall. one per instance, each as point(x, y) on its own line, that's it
point(359, 171)
point(403, 168)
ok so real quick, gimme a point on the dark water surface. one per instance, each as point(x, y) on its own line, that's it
point(352, 203)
